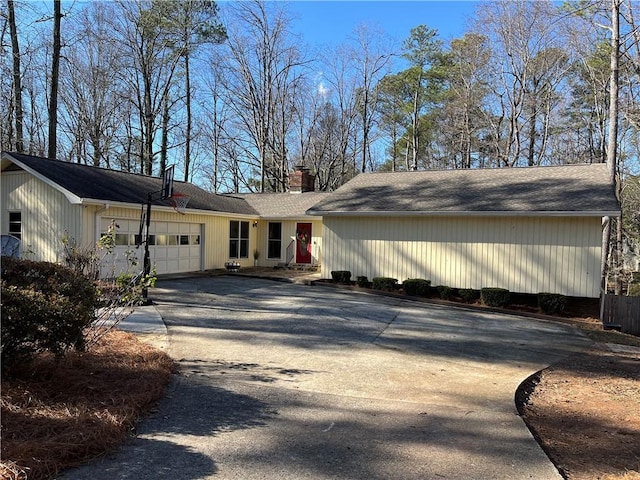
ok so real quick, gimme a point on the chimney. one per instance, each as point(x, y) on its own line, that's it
point(300, 180)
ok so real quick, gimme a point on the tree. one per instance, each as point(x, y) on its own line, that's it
point(92, 92)
point(393, 113)
point(188, 24)
point(518, 31)
point(55, 80)
point(422, 50)
point(265, 66)
point(370, 57)
point(150, 68)
point(17, 78)
point(462, 119)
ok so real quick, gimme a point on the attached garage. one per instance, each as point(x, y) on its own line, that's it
point(53, 200)
point(174, 247)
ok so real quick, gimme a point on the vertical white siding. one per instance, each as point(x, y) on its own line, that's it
point(215, 235)
point(47, 215)
point(523, 254)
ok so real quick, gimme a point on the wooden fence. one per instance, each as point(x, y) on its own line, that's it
point(623, 312)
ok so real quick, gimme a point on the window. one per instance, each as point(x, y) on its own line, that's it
point(15, 224)
point(274, 248)
point(238, 239)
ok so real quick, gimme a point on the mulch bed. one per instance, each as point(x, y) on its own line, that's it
point(59, 413)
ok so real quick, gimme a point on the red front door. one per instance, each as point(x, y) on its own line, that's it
point(303, 243)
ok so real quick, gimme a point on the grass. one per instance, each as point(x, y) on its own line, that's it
point(60, 413)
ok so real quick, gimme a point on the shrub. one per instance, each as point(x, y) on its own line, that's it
point(416, 287)
point(341, 276)
point(634, 290)
point(551, 302)
point(469, 295)
point(495, 297)
point(45, 307)
point(444, 291)
point(386, 284)
point(362, 281)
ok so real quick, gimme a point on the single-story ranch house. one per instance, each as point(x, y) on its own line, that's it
point(525, 229)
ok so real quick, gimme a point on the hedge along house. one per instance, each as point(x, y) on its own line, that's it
point(528, 230)
point(44, 200)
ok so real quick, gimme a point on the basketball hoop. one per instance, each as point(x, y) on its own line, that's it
point(179, 202)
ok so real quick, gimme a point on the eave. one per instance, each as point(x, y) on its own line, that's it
point(509, 213)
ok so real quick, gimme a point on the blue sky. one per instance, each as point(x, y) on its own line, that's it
point(332, 22)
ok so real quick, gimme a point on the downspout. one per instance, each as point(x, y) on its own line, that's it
point(606, 230)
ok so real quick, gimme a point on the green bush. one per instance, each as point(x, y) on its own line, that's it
point(495, 297)
point(444, 291)
point(634, 290)
point(341, 276)
point(362, 281)
point(416, 287)
point(45, 307)
point(386, 284)
point(469, 295)
point(550, 303)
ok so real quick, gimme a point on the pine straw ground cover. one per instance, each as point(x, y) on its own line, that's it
point(585, 409)
point(58, 413)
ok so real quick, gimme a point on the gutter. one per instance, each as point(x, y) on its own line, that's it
point(510, 213)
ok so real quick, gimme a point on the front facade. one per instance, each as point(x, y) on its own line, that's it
point(529, 230)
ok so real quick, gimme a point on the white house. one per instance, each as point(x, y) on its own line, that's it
point(525, 229)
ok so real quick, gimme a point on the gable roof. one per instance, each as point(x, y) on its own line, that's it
point(86, 184)
point(570, 190)
point(283, 205)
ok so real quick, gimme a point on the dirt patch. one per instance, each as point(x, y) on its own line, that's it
point(585, 410)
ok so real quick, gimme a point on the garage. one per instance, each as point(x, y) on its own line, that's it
point(174, 247)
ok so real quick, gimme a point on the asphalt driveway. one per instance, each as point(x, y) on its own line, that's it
point(282, 381)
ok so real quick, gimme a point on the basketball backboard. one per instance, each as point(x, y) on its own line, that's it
point(167, 183)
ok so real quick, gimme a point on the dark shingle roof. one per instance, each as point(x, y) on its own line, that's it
point(562, 190)
point(283, 205)
point(100, 184)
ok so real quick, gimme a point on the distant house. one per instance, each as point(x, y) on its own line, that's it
point(526, 229)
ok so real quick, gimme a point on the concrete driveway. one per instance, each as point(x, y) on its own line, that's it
point(282, 381)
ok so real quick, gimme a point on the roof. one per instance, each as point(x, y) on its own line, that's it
point(87, 184)
point(570, 190)
point(283, 205)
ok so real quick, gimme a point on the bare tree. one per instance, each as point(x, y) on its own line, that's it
point(151, 65)
point(55, 80)
point(371, 57)
point(519, 31)
point(17, 78)
point(91, 89)
point(265, 65)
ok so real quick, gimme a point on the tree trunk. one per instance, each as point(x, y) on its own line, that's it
point(165, 136)
point(55, 76)
point(612, 143)
point(17, 79)
point(187, 142)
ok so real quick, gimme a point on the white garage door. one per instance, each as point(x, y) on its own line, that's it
point(173, 247)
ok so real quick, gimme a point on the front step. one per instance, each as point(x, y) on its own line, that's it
point(304, 267)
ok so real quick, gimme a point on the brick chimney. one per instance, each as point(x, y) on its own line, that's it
point(300, 180)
